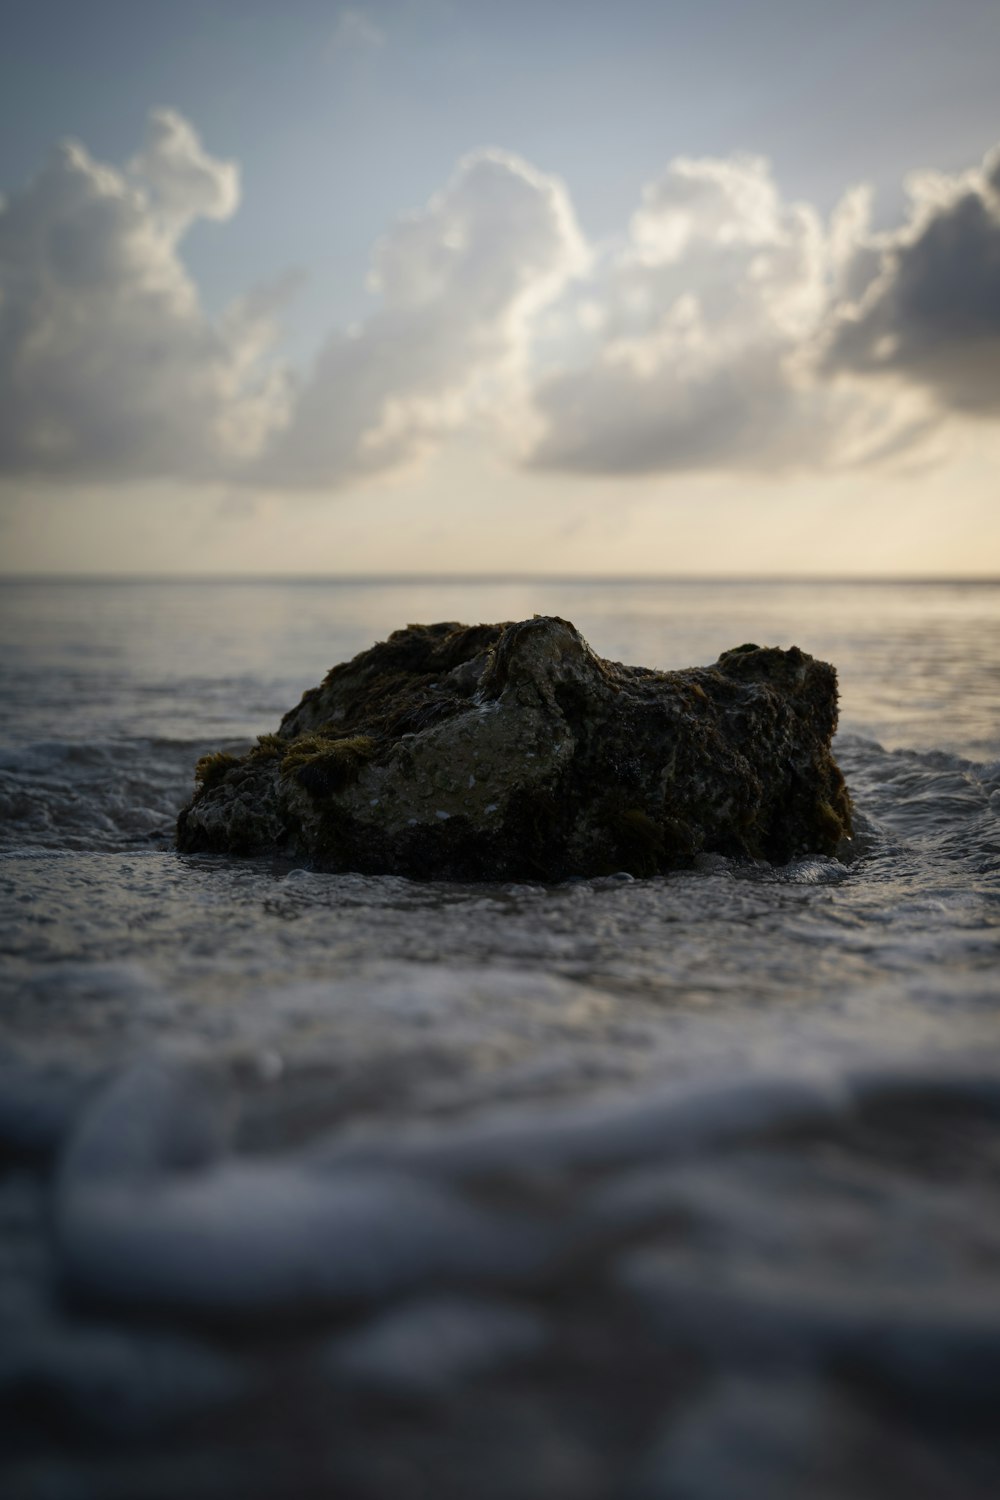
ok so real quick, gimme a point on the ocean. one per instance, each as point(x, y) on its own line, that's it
point(673, 1189)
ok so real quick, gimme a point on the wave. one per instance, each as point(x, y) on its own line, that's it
point(100, 795)
point(932, 799)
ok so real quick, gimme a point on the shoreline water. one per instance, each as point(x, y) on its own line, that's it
point(614, 1188)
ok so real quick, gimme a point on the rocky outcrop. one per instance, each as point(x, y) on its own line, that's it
point(513, 752)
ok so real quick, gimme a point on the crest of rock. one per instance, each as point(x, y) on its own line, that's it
point(513, 752)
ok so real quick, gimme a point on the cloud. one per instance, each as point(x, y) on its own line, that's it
point(925, 307)
point(726, 329)
point(182, 181)
point(459, 283)
point(698, 329)
point(108, 366)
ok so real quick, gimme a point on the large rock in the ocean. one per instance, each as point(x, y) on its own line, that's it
point(512, 752)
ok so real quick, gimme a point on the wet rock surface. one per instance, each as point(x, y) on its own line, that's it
point(513, 752)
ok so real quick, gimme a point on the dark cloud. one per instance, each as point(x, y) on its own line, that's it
point(991, 169)
point(930, 314)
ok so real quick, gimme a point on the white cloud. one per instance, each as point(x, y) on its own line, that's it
point(699, 314)
point(181, 180)
point(108, 366)
point(728, 329)
point(460, 282)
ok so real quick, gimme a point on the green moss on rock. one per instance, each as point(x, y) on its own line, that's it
point(212, 769)
point(323, 763)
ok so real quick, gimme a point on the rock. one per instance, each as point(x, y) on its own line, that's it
point(513, 752)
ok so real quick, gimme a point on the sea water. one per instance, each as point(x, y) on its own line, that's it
point(329, 1184)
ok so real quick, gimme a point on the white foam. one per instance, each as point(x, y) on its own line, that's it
point(435, 1345)
point(143, 1219)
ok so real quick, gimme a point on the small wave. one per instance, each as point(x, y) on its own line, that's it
point(107, 794)
point(931, 799)
point(72, 794)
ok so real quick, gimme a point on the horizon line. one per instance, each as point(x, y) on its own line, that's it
point(499, 577)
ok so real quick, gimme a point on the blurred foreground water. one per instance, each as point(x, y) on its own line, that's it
point(320, 1184)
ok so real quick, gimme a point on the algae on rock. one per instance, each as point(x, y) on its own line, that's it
point(513, 752)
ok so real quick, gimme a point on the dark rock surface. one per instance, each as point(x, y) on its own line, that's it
point(513, 752)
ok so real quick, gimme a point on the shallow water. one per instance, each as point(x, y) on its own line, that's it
point(324, 1183)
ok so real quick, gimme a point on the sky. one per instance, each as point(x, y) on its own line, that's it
point(438, 287)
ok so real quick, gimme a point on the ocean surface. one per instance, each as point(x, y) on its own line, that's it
point(329, 1185)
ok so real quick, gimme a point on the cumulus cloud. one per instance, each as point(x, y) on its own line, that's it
point(727, 328)
point(108, 365)
point(922, 303)
point(699, 328)
point(183, 182)
point(459, 283)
